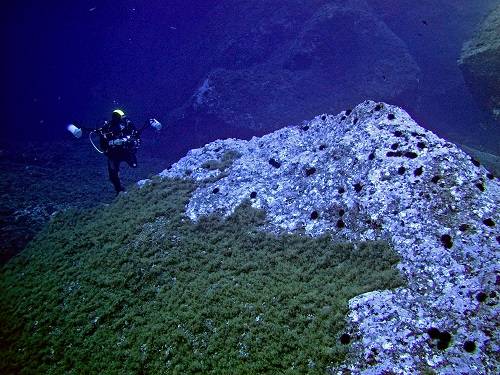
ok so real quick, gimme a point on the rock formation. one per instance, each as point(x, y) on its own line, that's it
point(373, 173)
point(285, 62)
point(480, 64)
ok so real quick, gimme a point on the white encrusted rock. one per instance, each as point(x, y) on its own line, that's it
point(373, 173)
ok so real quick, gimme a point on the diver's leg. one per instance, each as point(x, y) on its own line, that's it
point(114, 174)
point(131, 160)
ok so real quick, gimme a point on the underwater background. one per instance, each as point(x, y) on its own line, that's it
point(207, 70)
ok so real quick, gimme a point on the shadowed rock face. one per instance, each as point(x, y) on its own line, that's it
point(256, 64)
point(278, 64)
point(480, 64)
point(373, 173)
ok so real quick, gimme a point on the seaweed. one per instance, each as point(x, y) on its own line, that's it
point(224, 163)
point(136, 287)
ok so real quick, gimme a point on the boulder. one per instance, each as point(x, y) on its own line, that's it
point(480, 64)
point(372, 173)
point(282, 63)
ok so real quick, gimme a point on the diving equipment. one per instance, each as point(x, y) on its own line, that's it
point(92, 142)
point(155, 124)
point(77, 132)
point(118, 112)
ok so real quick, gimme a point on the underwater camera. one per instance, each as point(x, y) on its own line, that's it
point(77, 132)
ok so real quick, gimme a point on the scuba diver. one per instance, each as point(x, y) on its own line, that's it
point(118, 140)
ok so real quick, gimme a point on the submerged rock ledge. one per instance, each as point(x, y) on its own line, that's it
point(373, 173)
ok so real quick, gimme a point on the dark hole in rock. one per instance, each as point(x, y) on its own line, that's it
point(391, 116)
point(444, 340)
point(480, 186)
point(490, 176)
point(489, 222)
point(216, 190)
point(371, 156)
point(411, 154)
point(340, 224)
point(445, 336)
point(341, 212)
point(348, 112)
point(394, 153)
point(498, 239)
point(341, 190)
point(342, 118)
point(435, 179)
point(253, 194)
point(469, 346)
point(345, 339)
point(398, 133)
point(418, 171)
point(355, 121)
point(463, 227)
point(323, 117)
point(310, 171)
point(314, 215)
point(415, 134)
point(421, 145)
point(446, 241)
point(378, 107)
point(305, 128)
point(481, 297)
point(493, 294)
point(475, 162)
point(401, 170)
point(433, 333)
point(274, 163)
point(322, 147)
point(357, 187)
point(394, 146)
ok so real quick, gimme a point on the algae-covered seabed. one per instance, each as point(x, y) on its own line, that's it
point(136, 287)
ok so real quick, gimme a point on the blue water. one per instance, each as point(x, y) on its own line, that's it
point(76, 61)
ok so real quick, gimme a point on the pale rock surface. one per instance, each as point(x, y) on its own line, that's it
point(395, 181)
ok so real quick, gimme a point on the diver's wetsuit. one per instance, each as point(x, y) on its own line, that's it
point(124, 133)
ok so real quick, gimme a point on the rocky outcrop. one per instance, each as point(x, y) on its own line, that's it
point(480, 64)
point(373, 173)
point(282, 63)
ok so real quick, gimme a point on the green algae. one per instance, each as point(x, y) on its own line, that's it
point(225, 161)
point(137, 288)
